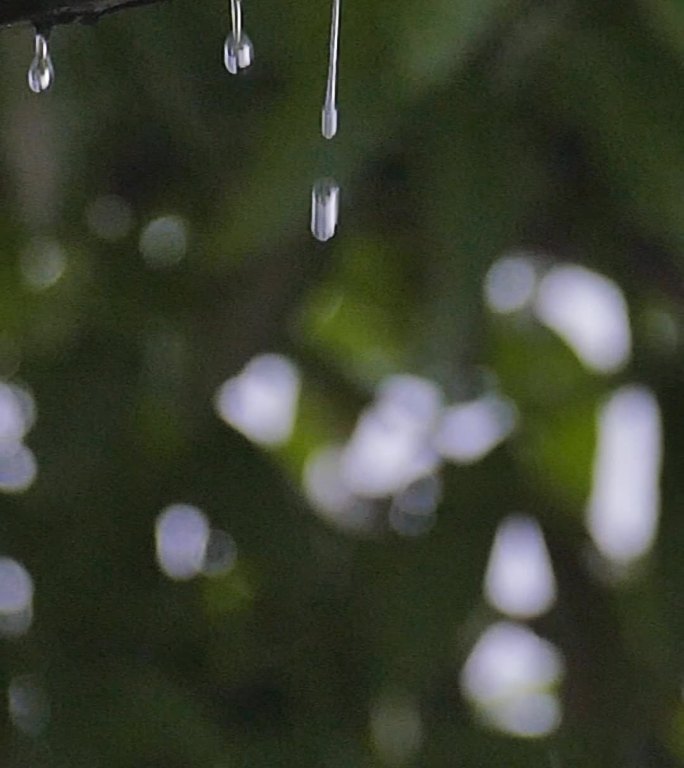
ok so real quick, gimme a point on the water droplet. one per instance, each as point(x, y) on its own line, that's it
point(325, 203)
point(329, 114)
point(238, 54)
point(238, 51)
point(41, 72)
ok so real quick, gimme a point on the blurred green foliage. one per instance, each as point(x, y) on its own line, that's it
point(467, 128)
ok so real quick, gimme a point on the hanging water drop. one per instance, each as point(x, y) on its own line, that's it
point(238, 51)
point(325, 195)
point(41, 72)
point(329, 115)
point(325, 204)
point(237, 54)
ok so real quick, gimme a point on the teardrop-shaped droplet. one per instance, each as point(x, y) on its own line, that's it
point(329, 113)
point(325, 204)
point(238, 55)
point(41, 72)
point(329, 121)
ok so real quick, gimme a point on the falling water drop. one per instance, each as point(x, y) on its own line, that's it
point(329, 114)
point(238, 51)
point(237, 54)
point(41, 72)
point(325, 203)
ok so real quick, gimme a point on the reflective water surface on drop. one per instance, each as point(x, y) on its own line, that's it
point(329, 113)
point(238, 51)
point(237, 54)
point(325, 204)
point(41, 72)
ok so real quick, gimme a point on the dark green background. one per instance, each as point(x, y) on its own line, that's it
point(467, 127)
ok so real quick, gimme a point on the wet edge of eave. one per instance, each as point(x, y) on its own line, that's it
point(76, 11)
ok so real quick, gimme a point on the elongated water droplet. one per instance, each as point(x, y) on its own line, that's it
point(329, 114)
point(238, 51)
point(325, 204)
point(41, 72)
point(238, 54)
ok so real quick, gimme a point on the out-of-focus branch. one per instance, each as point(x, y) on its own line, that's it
point(51, 12)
